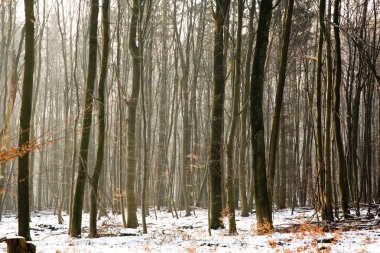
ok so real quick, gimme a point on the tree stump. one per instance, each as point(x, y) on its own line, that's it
point(18, 244)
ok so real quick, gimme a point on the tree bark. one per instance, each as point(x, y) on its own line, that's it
point(25, 117)
point(279, 96)
point(101, 119)
point(262, 201)
point(246, 204)
point(343, 185)
point(163, 117)
point(234, 122)
point(282, 164)
point(131, 121)
point(76, 214)
point(328, 101)
point(215, 168)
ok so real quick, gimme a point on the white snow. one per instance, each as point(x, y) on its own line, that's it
point(190, 234)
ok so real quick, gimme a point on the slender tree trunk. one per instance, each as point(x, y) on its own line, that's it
point(324, 171)
point(76, 214)
point(101, 119)
point(73, 160)
point(120, 110)
point(246, 204)
point(234, 122)
point(144, 206)
point(282, 164)
point(327, 140)
point(319, 143)
point(62, 190)
point(163, 117)
point(184, 55)
point(131, 122)
point(25, 117)
point(279, 96)
point(343, 185)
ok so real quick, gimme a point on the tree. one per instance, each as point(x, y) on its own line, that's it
point(101, 119)
point(163, 117)
point(75, 80)
point(328, 101)
point(262, 200)
point(234, 122)
point(62, 203)
point(343, 184)
point(353, 100)
point(245, 204)
point(323, 156)
point(279, 95)
point(25, 116)
point(215, 166)
point(136, 53)
point(184, 55)
point(76, 213)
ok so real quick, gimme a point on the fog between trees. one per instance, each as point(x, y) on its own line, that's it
point(232, 106)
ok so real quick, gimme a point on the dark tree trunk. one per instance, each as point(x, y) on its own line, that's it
point(101, 118)
point(131, 121)
point(215, 166)
point(323, 149)
point(319, 143)
point(262, 201)
point(25, 117)
point(76, 213)
point(327, 140)
point(343, 185)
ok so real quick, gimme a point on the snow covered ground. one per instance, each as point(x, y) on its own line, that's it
point(190, 234)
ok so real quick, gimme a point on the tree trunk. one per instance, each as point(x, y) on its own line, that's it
point(282, 163)
point(279, 96)
point(215, 168)
point(319, 143)
point(63, 179)
point(324, 172)
point(25, 117)
point(184, 55)
point(131, 122)
point(343, 185)
point(246, 204)
point(76, 214)
point(262, 201)
point(328, 101)
point(101, 119)
point(234, 121)
point(163, 117)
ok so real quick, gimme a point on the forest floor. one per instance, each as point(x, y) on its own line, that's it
point(294, 232)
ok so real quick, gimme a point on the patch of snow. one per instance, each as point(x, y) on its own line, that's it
point(190, 234)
